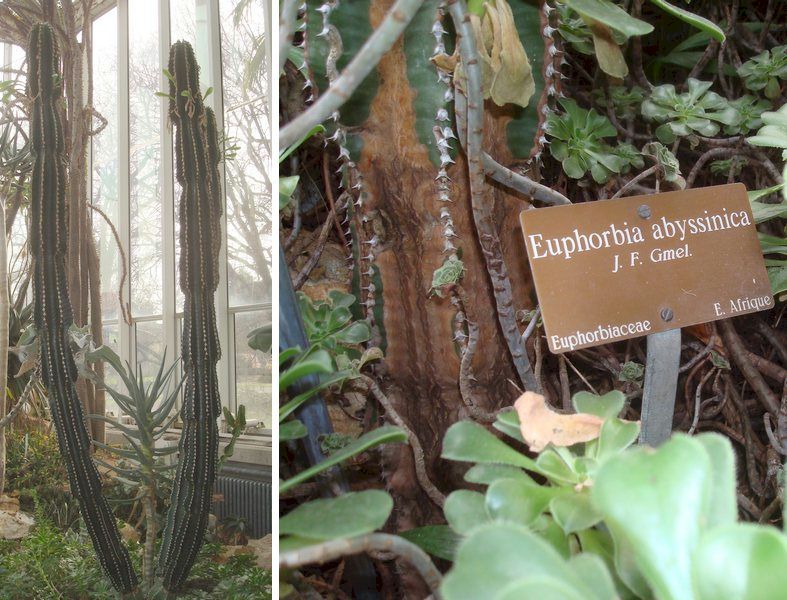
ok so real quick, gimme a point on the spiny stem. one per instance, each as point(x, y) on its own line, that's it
point(383, 38)
point(470, 99)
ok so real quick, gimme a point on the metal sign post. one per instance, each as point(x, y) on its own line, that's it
point(660, 387)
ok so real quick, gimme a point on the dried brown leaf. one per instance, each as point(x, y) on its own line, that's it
point(608, 54)
point(540, 425)
point(506, 74)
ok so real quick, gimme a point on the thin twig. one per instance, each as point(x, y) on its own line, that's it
point(645, 174)
point(326, 176)
point(373, 542)
point(739, 355)
point(125, 309)
point(697, 400)
point(383, 38)
point(465, 365)
point(531, 327)
point(700, 355)
point(23, 399)
point(418, 452)
point(769, 334)
point(314, 258)
point(522, 184)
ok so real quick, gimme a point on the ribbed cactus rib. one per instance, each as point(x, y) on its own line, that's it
point(48, 243)
point(199, 212)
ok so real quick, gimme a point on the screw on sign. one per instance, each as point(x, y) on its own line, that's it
point(638, 266)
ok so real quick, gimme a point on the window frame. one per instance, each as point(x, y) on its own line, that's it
point(209, 52)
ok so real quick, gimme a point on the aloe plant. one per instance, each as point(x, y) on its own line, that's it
point(198, 156)
point(53, 317)
point(143, 467)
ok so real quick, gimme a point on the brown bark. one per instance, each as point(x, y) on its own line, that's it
point(422, 357)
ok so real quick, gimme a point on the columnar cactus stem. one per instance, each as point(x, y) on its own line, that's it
point(53, 317)
point(197, 157)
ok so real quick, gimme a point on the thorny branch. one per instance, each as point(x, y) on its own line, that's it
point(392, 26)
point(469, 101)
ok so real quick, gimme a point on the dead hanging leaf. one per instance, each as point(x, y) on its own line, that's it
point(445, 62)
point(608, 53)
point(540, 425)
point(506, 75)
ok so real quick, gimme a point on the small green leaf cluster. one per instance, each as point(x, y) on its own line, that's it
point(766, 71)
point(632, 371)
point(698, 111)
point(329, 323)
point(449, 273)
point(578, 143)
point(749, 109)
point(589, 522)
point(623, 101)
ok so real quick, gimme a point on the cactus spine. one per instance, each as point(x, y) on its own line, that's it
point(49, 241)
point(197, 159)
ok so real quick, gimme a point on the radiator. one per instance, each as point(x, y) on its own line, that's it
point(247, 493)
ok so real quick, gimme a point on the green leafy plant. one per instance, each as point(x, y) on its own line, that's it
point(593, 524)
point(578, 143)
point(765, 71)
point(697, 111)
point(347, 515)
point(749, 109)
point(726, 166)
point(54, 565)
point(669, 167)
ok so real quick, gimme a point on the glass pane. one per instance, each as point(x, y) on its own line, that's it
point(105, 158)
point(183, 23)
point(112, 379)
point(247, 125)
point(253, 371)
point(145, 127)
point(18, 258)
point(150, 348)
point(183, 20)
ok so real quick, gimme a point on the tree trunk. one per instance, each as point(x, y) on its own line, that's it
point(402, 208)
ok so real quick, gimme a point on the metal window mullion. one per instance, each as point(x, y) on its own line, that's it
point(166, 183)
point(7, 61)
point(226, 372)
point(125, 331)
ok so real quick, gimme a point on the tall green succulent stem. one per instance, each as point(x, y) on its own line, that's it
point(53, 317)
point(197, 158)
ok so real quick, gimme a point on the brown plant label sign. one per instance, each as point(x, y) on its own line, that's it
point(617, 269)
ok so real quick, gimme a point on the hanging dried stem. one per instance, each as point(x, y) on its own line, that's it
point(469, 101)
